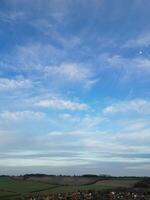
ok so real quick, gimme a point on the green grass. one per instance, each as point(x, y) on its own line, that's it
point(117, 183)
point(10, 187)
point(100, 185)
point(67, 189)
point(6, 193)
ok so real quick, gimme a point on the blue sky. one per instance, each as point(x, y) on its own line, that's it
point(74, 87)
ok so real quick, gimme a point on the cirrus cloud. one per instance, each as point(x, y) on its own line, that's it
point(61, 104)
point(19, 115)
point(136, 105)
point(73, 72)
point(12, 84)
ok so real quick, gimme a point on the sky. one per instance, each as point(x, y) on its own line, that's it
point(75, 87)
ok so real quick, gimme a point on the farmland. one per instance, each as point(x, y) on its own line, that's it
point(12, 188)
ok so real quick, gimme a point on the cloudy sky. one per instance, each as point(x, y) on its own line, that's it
point(75, 87)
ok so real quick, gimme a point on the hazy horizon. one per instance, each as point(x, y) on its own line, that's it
point(75, 87)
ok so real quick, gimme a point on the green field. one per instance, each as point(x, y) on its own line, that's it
point(117, 183)
point(11, 189)
point(100, 185)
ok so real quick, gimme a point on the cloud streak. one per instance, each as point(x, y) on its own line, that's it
point(136, 106)
point(13, 84)
point(62, 104)
point(143, 40)
point(21, 115)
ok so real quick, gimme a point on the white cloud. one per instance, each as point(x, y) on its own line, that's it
point(67, 133)
point(55, 133)
point(58, 103)
point(32, 57)
point(133, 63)
point(78, 126)
point(20, 115)
point(136, 105)
point(42, 162)
point(73, 72)
point(69, 117)
point(128, 66)
point(135, 125)
point(89, 121)
point(142, 40)
point(12, 16)
point(12, 84)
point(48, 27)
point(41, 62)
point(142, 135)
point(112, 146)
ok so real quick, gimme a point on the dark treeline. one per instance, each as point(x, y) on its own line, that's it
point(105, 176)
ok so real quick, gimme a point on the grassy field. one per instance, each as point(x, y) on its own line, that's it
point(65, 180)
point(100, 185)
point(117, 183)
point(11, 189)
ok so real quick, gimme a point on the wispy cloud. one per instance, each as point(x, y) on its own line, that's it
point(47, 61)
point(143, 40)
point(139, 135)
point(21, 115)
point(32, 56)
point(37, 55)
point(12, 16)
point(112, 149)
point(128, 65)
point(42, 162)
point(62, 104)
point(49, 28)
point(12, 84)
point(73, 72)
point(136, 106)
